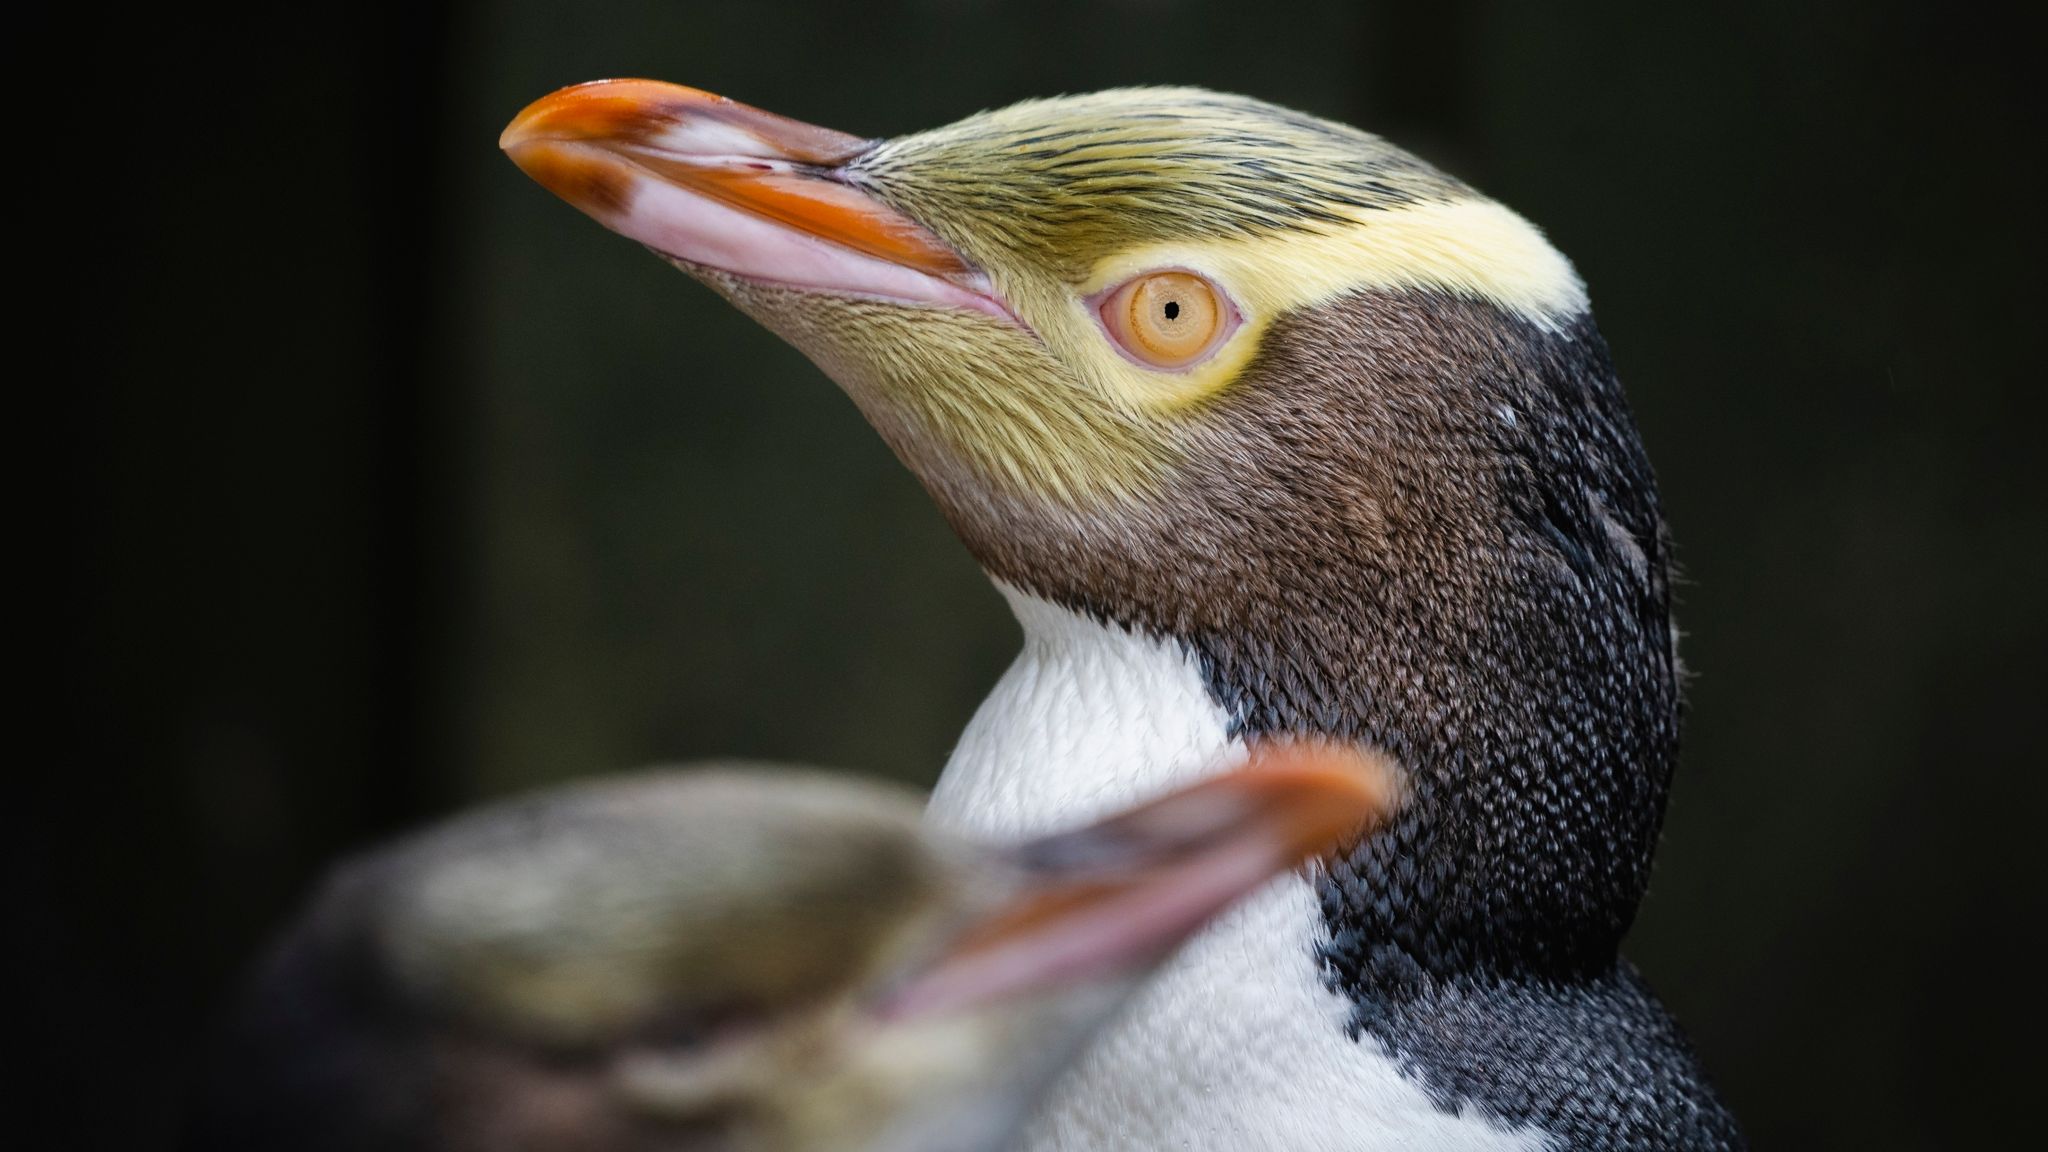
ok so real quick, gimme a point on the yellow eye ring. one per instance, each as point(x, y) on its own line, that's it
point(1171, 319)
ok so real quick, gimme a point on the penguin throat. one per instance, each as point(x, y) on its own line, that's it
point(1514, 853)
point(1091, 717)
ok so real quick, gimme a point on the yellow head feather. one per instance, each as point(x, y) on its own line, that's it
point(1060, 199)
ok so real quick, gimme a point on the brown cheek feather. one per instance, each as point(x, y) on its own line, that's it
point(1403, 525)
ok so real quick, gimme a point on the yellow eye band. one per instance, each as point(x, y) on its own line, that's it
point(1167, 320)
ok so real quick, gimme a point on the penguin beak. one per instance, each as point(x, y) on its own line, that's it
point(1116, 898)
point(719, 185)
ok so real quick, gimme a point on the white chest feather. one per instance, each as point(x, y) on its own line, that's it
point(1237, 1045)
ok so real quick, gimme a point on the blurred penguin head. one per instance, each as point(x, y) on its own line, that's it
point(738, 959)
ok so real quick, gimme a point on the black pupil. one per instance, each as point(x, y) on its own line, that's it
point(1173, 309)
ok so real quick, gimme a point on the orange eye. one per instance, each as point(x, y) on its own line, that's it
point(1167, 319)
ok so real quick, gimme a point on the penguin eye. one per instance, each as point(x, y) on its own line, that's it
point(1171, 319)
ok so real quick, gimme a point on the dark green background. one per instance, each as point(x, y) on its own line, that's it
point(395, 484)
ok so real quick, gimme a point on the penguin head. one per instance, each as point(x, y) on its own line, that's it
point(745, 960)
point(1264, 385)
point(1049, 302)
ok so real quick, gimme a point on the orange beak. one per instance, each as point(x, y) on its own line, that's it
point(718, 185)
point(1117, 897)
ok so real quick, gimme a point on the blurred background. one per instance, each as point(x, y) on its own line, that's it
point(393, 484)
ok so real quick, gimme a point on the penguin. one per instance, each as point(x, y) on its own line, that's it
point(737, 959)
point(1265, 428)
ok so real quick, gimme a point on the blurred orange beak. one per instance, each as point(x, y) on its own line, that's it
point(1117, 897)
point(715, 184)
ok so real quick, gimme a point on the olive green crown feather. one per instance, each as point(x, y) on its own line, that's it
point(1084, 176)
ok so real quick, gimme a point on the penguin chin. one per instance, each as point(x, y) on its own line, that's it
point(944, 388)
